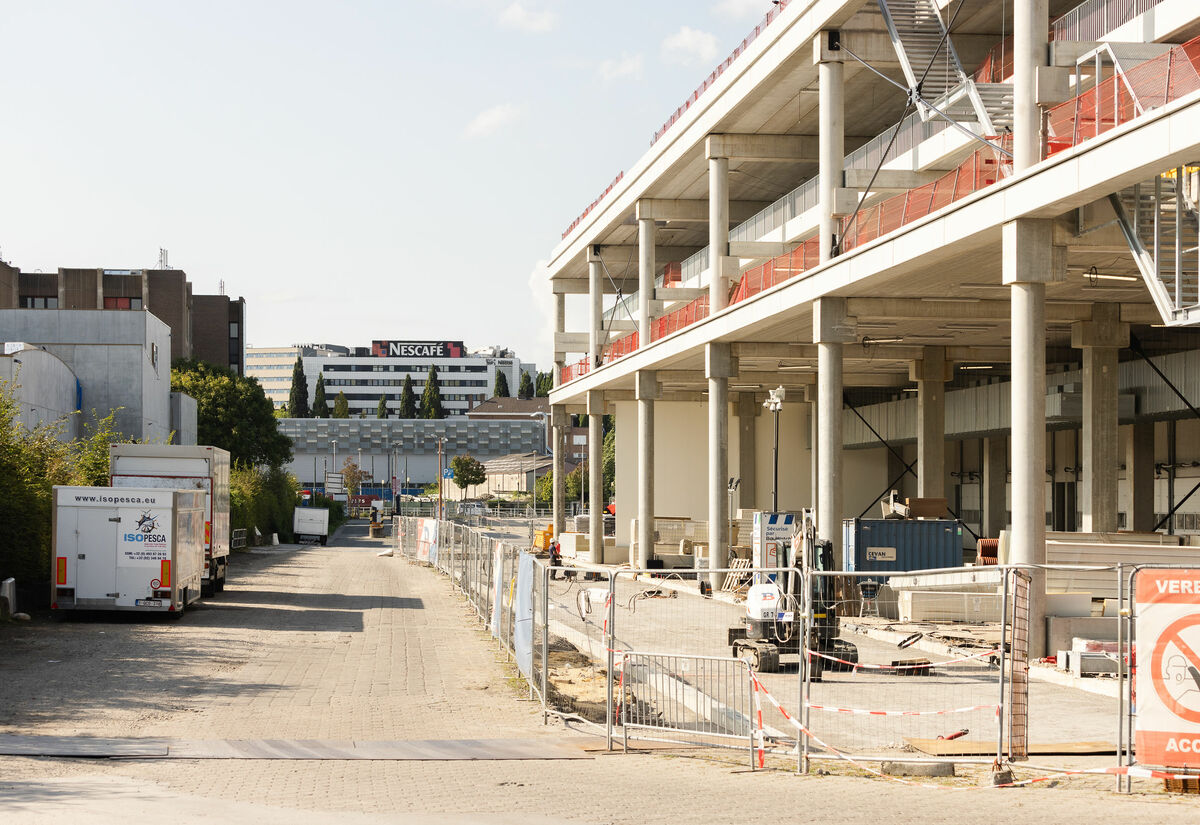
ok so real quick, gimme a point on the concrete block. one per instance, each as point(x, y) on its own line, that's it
point(1087, 664)
point(948, 606)
point(917, 768)
point(1062, 630)
point(1069, 605)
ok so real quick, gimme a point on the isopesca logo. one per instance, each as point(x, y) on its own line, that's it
point(146, 525)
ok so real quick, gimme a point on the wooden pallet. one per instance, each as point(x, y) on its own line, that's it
point(738, 577)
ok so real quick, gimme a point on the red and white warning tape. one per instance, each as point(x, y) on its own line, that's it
point(1129, 770)
point(762, 756)
point(922, 666)
point(863, 712)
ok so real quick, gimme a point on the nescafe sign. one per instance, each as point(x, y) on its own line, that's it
point(417, 349)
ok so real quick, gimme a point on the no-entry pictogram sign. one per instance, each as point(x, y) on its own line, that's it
point(1168, 673)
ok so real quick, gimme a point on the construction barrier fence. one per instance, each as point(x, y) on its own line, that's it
point(864, 670)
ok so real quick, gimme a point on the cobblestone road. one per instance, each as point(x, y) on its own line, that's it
point(338, 643)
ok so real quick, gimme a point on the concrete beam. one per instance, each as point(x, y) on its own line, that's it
point(680, 293)
point(690, 211)
point(580, 286)
point(788, 148)
point(932, 308)
point(889, 179)
point(759, 249)
point(571, 341)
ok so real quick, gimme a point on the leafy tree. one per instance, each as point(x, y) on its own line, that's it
point(320, 405)
point(341, 406)
point(544, 383)
point(381, 411)
point(232, 413)
point(431, 398)
point(298, 400)
point(525, 388)
point(608, 457)
point(408, 401)
point(467, 472)
point(500, 388)
point(353, 475)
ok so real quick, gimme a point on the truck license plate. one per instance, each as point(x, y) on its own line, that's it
point(148, 602)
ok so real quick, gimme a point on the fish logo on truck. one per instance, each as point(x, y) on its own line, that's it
point(146, 525)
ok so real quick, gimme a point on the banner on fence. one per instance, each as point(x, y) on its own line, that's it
point(1168, 672)
point(497, 587)
point(427, 540)
point(523, 615)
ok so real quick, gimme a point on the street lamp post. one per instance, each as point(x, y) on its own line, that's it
point(774, 403)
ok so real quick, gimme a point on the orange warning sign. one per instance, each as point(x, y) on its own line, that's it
point(1168, 680)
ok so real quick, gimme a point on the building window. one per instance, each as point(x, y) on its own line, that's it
point(122, 303)
point(38, 302)
point(233, 329)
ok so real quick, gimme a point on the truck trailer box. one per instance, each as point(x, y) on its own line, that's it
point(173, 467)
point(126, 548)
point(311, 524)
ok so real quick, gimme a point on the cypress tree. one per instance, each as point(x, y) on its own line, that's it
point(341, 406)
point(381, 411)
point(320, 406)
point(431, 398)
point(298, 399)
point(525, 389)
point(408, 401)
point(500, 388)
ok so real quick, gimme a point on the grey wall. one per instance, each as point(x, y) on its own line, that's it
point(411, 440)
point(45, 389)
point(121, 358)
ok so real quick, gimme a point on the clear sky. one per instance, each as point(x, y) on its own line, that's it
point(356, 170)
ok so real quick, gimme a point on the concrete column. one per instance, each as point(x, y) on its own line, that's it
point(748, 409)
point(718, 233)
point(646, 267)
point(1139, 471)
point(595, 309)
point(720, 366)
point(1031, 32)
point(831, 141)
point(930, 375)
point(646, 390)
point(561, 423)
point(810, 396)
point(595, 408)
point(1100, 339)
point(831, 328)
point(995, 486)
point(1029, 262)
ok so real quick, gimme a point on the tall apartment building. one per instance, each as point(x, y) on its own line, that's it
point(208, 327)
point(364, 374)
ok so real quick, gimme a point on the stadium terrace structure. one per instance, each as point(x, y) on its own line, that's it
point(879, 206)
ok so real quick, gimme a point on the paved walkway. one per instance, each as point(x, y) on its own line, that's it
point(338, 643)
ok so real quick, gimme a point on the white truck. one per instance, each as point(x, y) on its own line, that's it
point(126, 549)
point(174, 467)
point(311, 524)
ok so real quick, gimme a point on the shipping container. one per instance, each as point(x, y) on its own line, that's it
point(895, 545)
point(126, 549)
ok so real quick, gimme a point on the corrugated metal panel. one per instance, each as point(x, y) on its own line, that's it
point(896, 545)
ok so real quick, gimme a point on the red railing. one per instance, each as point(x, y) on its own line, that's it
point(717, 72)
point(593, 204)
point(1155, 82)
point(1111, 103)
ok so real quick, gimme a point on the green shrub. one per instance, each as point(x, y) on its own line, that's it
point(262, 498)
